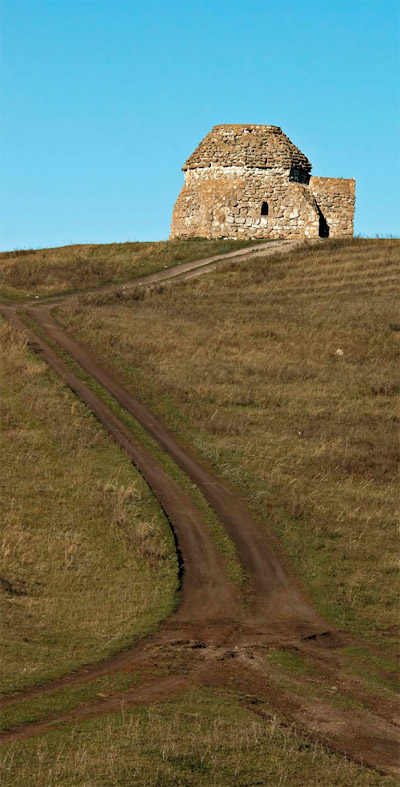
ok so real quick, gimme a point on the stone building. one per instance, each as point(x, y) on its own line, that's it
point(252, 182)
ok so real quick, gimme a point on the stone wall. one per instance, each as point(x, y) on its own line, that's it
point(248, 181)
point(335, 198)
point(220, 201)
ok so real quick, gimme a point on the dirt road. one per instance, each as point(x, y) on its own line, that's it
point(275, 596)
point(217, 638)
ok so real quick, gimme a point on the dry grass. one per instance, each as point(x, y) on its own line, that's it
point(243, 364)
point(87, 559)
point(203, 739)
point(282, 373)
point(30, 272)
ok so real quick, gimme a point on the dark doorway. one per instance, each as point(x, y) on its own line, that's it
point(323, 226)
point(264, 209)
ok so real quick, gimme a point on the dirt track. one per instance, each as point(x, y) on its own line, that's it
point(275, 595)
point(185, 269)
point(218, 640)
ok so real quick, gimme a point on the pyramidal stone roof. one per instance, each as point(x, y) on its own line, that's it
point(247, 146)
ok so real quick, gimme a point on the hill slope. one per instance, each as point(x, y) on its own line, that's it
point(285, 383)
point(28, 273)
point(282, 373)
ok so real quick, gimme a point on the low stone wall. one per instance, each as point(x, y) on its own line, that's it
point(336, 200)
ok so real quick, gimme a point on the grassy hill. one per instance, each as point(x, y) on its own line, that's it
point(283, 374)
point(26, 273)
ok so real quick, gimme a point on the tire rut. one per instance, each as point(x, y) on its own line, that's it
point(206, 593)
point(276, 595)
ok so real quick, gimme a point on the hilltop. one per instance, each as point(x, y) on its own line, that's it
point(25, 273)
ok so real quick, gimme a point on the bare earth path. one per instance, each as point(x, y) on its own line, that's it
point(217, 640)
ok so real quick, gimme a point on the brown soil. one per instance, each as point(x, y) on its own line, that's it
point(216, 639)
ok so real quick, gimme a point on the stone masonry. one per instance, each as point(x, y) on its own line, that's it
point(252, 182)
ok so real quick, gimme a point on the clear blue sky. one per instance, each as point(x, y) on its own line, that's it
point(103, 101)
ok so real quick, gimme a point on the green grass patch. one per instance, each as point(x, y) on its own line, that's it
point(202, 738)
point(299, 675)
point(88, 560)
point(54, 703)
point(379, 672)
point(291, 662)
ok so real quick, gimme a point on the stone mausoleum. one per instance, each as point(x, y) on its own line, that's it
point(252, 182)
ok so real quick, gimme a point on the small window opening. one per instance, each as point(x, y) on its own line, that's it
point(264, 209)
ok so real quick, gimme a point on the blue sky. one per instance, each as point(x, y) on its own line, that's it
point(103, 101)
